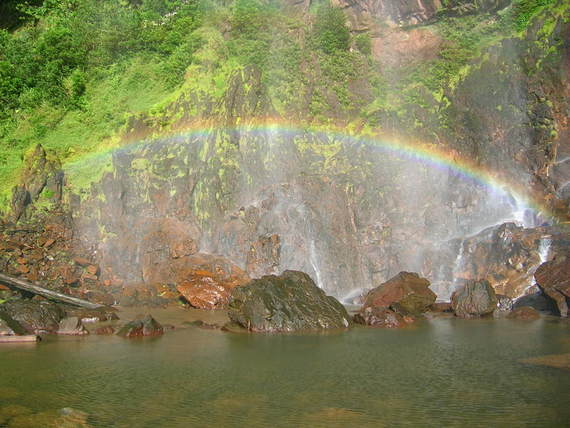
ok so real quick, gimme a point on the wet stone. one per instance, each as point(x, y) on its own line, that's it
point(142, 326)
point(285, 303)
point(474, 299)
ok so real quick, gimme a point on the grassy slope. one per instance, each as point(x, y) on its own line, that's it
point(293, 66)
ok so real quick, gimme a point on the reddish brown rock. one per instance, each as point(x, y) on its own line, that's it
point(92, 270)
point(82, 261)
point(408, 290)
point(553, 277)
point(204, 291)
point(382, 317)
point(107, 330)
point(23, 268)
point(524, 313)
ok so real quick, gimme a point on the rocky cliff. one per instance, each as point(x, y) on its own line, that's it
point(355, 206)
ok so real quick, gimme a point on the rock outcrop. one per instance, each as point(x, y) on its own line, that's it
point(286, 303)
point(475, 299)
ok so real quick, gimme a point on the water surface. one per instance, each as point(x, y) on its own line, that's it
point(443, 372)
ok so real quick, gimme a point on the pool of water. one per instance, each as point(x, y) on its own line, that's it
point(443, 372)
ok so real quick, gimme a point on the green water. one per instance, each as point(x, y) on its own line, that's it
point(444, 372)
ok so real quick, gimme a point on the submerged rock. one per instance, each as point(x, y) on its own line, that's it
point(474, 299)
point(142, 326)
point(525, 313)
point(408, 291)
point(35, 316)
point(382, 317)
point(553, 277)
point(285, 303)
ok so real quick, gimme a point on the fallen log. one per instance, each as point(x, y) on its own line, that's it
point(19, 339)
point(30, 287)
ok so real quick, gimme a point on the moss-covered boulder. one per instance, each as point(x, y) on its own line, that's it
point(285, 303)
point(474, 299)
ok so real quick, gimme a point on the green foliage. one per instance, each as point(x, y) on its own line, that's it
point(525, 10)
point(364, 43)
point(251, 41)
point(331, 33)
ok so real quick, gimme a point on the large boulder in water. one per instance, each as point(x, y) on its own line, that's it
point(474, 299)
point(407, 290)
point(285, 303)
point(553, 277)
point(35, 316)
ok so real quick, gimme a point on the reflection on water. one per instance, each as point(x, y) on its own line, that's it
point(446, 372)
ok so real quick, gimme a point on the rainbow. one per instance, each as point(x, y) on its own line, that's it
point(429, 154)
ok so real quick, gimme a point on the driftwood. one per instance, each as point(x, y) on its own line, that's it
point(19, 339)
point(48, 294)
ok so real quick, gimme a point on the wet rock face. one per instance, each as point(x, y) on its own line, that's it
point(41, 171)
point(35, 317)
point(382, 317)
point(474, 299)
point(142, 326)
point(506, 256)
point(363, 13)
point(407, 290)
point(285, 303)
point(553, 277)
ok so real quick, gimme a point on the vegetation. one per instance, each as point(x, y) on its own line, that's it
point(74, 74)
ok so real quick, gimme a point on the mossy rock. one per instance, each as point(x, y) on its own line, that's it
point(286, 303)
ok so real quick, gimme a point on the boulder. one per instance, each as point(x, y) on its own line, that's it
point(525, 313)
point(142, 326)
point(407, 290)
point(538, 301)
point(72, 326)
point(206, 290)
point(553, 277)
point(285, 303)
point(476, 298)
point(35, 316)
point(381, 317)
